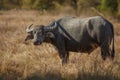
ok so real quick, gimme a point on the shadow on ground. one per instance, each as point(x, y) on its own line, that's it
point(81, 76)
point(47, 76)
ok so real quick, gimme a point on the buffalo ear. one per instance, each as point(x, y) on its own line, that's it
point(50, 34)
point(29, 37)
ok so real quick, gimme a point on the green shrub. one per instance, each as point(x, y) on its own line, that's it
point(109, 6)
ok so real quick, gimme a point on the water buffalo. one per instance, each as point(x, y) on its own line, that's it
point(77, 35)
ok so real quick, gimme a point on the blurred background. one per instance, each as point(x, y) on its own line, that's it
point(106, 7)
point(20, 61)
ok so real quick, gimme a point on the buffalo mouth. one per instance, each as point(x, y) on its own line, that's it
point(37, 43)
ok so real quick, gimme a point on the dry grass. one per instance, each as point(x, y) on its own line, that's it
point(19, 61)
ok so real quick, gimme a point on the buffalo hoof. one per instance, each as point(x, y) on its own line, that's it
point(64, 62)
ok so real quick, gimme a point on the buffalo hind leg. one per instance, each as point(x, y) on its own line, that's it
point(105, 51)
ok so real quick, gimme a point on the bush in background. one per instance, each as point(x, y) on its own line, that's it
point(108, 6)
point(104, 6)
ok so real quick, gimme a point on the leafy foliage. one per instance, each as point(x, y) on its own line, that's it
point(110, 6)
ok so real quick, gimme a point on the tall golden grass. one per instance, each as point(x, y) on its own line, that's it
point(20, 61)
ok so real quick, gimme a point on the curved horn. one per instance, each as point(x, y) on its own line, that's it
point(28, 29)
point(52, 26)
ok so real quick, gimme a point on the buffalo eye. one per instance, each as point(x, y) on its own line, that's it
point(34, 32)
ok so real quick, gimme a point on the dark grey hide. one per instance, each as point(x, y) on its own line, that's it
point(78, 35)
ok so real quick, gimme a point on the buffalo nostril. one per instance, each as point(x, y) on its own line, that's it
point(25, 39)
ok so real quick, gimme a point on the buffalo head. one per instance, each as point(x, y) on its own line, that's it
point(39, 33)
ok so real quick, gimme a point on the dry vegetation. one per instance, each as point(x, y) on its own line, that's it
point(19, 61)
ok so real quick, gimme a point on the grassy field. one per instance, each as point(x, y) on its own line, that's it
point(20, 61)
